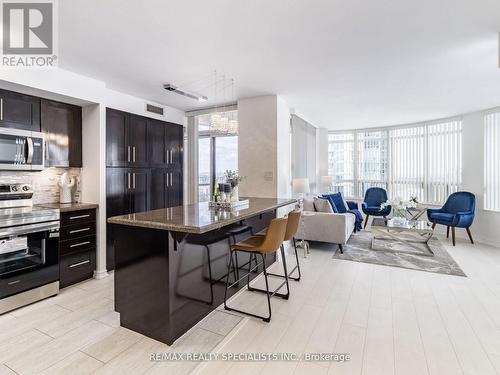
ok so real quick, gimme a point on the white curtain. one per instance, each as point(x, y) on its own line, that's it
point(303, 150)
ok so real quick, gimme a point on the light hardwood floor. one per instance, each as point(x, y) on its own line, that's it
point(390, 320)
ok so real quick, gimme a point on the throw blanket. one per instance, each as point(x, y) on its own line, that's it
point(359, 220)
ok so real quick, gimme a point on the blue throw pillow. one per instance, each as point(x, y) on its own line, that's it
point(338, 202)
point(329, 198)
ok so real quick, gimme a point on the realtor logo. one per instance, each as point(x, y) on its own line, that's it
point(28, 33)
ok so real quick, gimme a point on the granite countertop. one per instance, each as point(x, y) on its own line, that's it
point(69, 207)
point(198, 217)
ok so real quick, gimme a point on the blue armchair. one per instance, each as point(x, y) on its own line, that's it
point(374, 197)
point(457, 212)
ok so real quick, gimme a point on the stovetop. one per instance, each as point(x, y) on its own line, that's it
point(27, 215)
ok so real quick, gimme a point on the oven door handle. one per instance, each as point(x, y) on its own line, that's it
point(30, 228)
point(29, 159)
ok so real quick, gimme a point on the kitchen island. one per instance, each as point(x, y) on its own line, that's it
point(171, 264)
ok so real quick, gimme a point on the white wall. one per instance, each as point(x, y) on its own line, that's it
point(94, 97)
point(487, 223)
point(257, 146)
point(283, 134)
point(264, 147)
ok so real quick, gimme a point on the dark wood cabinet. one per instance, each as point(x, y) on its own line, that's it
point(62, 125)
point(128, 191)
point(159, 186)
point(175, 192)
point(165, 144)
point(19, 111)
point(157, 144)
point(77, 246)
point(166, 188)
point(139, 190)
point(126, 140)
point(144, 167)
point(117, 148)
point(138, 141)
point(175, 145)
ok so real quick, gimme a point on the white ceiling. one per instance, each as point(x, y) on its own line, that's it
point(341, 64)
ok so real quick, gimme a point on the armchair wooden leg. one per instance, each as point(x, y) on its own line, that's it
point(433, 225)
point(366, 221)
point(448, 232)
point(470, 235)
point(453, 235)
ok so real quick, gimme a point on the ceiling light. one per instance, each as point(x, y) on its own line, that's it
point(192, 95)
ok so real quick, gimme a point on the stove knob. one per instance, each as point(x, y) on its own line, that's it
point(26, 188)
point(13, 188)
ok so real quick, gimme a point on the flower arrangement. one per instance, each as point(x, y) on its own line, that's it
point(400, 207)
point(233, 178)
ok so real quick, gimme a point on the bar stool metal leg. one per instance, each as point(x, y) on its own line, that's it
point(226, 307)
point(275, 293)
point(297, 267)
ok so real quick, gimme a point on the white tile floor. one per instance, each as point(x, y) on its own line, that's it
point(390, 320)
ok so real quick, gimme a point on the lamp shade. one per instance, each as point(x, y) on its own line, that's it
point(301, 185)
point(326, 180)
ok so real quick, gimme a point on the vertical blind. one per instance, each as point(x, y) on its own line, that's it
point(423, 161)
point(303, 150)
point(492, 161)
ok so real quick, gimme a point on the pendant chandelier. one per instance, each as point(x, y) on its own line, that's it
point(222, 121)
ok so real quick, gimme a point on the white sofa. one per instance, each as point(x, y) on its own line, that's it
point(325, 227)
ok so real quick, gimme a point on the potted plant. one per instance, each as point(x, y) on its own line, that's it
point(234, 180)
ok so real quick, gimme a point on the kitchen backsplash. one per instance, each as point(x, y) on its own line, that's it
point(44, 183)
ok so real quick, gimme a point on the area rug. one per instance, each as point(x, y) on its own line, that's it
point(358, 249)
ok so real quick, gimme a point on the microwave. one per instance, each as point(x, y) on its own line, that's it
point(21, 150)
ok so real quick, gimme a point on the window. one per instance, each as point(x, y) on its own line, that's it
point(492, 161)
point(217, 153)
point(372, 160)
point(421, 160)
point(341, 162)
point(204, 169)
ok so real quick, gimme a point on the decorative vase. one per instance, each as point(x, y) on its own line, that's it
point(235, 197)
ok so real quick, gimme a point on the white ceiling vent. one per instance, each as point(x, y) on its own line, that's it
point(157, 110)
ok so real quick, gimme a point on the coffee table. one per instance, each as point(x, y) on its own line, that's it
point(410, 233)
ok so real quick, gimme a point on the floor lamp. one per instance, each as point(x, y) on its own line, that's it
point(300, 186)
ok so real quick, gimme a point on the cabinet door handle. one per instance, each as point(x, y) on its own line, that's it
point(1, 109)
point(79, 217)
point(128, 154)
point(128, 177)
point(79, 230)
point(168, 156)
point(80, 244)
point(14, 282)
point(171, 180)
point(171, 152)
point(133, 154)
point(133, 179)
point(79, 264)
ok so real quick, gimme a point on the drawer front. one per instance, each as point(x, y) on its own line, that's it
point(22, 282)
point(77, 244)
point(77, 217)
point(76, 267)
point(75, 231)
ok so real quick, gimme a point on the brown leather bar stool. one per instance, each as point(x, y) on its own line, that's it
point(261, 245)
point(292, 227)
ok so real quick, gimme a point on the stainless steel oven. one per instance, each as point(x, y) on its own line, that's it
point(29, 249)
point(21, 150)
